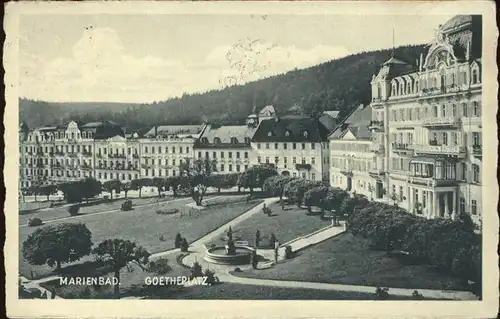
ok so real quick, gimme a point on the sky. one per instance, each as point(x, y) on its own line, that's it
point(146, 58)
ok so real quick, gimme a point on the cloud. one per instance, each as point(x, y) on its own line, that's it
point(99, 68)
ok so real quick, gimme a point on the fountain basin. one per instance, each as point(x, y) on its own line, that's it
point(217, 255)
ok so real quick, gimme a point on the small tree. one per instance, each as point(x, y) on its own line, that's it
point(110, 186)
point(74, 210)
point(211, 278)
point(126, 205)
point(197, 173)
point(196, 270)
point(272, 240)
point(57, 244)
point(120, 253)
point(159, 266)
point(230, 233)
point(47, 190)
point(254, 260)
point(257, 238)
point(184, 245)
point(178, 241)
point(125, 188)
point(288, 252)
point(159, 183)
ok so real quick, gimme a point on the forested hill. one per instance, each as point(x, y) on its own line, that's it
point(335, 85)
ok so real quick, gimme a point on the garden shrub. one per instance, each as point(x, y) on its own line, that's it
point(74, 210)
point(196, 270)
point(178, 241)
point(382, 293)
point(184, 245)
point(33, 222)
point(288, 252)
point(159, 266)
point(127, 205)
point(211, 278)
point(417, 296)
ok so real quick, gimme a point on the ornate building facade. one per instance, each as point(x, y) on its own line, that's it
point(426, 126)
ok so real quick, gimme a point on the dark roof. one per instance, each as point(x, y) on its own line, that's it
point(226, 132)
point(290, 130)
point(169, 130)
point(395, 67)
point(357, 123)
point(328, 122)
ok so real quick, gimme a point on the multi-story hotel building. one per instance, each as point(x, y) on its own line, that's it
point(296, 145)
point(228, 145)
point(426, 126)
point(164, 148)
point(52, 155)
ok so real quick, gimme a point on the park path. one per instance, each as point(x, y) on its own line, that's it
point(30, 284)
point(427, 293)
point(221, 230)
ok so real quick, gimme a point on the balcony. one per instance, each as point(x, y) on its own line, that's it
point(477, 151)
point(346, 172)
point(376, 125)
point(441, 122)
point(453, 150)
point(146, 166)
point(72, 155)
point(303, 166)
point(376, 172)
point(135, 156)
point(431, 181)
point(401, 148)
point(377, 148)
point(87, 154)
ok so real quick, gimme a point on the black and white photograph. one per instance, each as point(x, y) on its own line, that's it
point(252, 155)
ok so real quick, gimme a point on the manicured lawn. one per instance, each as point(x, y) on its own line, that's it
point(346, 259)
point(286, 224)
point(145, 227)
point(94, 207)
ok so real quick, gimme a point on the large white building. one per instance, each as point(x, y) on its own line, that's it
point(296, 145)
point(425, 128)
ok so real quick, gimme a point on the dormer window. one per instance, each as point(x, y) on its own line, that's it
point(247, 140)
point(269, 133)
point(287, 133)
point(216, 140)
point(305, 134)
point(474, 77)
point(204, 140)
point(234, 140)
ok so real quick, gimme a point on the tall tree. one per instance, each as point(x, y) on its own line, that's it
point(197, 173)
point(120, 253)
point(57, 244)
point(47, 190)
point(112, 186)
point(255, 176)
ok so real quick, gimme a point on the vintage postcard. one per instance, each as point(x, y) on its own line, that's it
point(251, 159)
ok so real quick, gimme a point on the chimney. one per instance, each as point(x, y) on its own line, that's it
point(156, 131)
point(421, 64)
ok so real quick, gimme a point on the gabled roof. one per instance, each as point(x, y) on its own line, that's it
point(290, 130)
point(357, 123)
point(333, 114)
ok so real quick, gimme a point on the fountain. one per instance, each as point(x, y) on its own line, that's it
point(232, 253)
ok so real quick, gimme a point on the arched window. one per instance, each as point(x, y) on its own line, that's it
point(305, 134)
point(72, 136)
point(453, 79)
point(474, 77)
point(401, 89)
point(269, 133)
point(416, 86)
point(84, 135)
point(379, 91)
point(394, 92)
point(204, 140)
point(287, 133)
point(234, 140)
point(216, 140)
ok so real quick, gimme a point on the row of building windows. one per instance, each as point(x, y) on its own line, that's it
point(437, 138)
point(233, 140)
point(404, 86)
point(284, 146)
point(442, 171)
point(420, 113)
point(222, 154)
point(277, 160)
point(173, 150)
point(40, 137)
point(351, 147)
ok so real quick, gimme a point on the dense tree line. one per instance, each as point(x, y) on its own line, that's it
point(335, 85)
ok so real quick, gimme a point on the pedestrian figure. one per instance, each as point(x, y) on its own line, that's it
point(282, 204)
